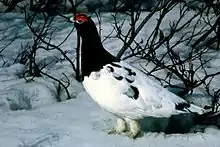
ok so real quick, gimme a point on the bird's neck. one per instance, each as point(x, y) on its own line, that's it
point(93, 56)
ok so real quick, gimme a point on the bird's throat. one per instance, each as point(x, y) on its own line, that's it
point(91, 56)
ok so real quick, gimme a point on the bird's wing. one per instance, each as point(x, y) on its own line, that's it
point(127, 92)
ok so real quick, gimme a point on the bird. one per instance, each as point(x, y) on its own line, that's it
point(121, 88)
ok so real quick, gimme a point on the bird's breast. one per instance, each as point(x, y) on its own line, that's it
point(103, 89)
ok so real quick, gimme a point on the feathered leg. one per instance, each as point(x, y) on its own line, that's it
point(134, 129)
point(121, 127)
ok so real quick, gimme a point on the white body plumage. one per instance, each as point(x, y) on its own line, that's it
point(133, 96)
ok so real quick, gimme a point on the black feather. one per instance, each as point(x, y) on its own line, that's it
point(111, 69)
point(116, 65)
point(136, 92)
point(129, 80)
point(130, 72)
point(182, 106)
point(117, 76)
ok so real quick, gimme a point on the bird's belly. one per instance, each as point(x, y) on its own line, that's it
point(104, 94)
point(108, 95)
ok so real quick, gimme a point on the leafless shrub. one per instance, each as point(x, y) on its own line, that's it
point(11, 4)
point(162, 46)
point(215, 94)
point(62, 83)
point(41, 26)
point(23, 55)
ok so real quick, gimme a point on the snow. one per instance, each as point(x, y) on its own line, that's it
point(80, 122)
point(31, 116)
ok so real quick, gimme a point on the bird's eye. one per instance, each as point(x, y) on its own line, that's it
point(79, 21)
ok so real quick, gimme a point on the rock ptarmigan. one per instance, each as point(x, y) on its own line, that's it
point(121, 88)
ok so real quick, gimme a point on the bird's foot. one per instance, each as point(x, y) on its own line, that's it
point(134, 130)
point(131, 135)
point(113, 131)
point(120, 127)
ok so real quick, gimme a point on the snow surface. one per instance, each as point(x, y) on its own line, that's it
point(80, 122)
point(31, 116)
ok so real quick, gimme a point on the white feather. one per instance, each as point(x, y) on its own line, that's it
point(110, 93)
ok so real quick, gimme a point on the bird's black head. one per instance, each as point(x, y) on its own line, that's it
point(85, 26)
point(92, 54)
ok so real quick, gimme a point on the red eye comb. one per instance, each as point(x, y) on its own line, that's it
point(81, 17)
